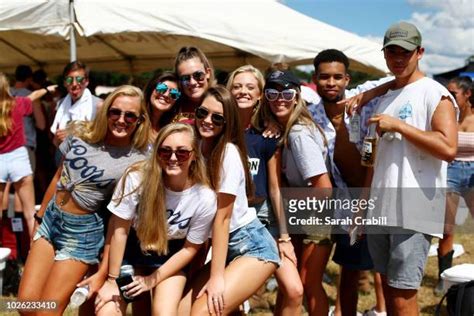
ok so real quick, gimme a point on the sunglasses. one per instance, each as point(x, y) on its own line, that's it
point(197, 75)
point(69, 80)
point(161, 88)
point(181, 154)
point(273, 94)
point(217, 119)
point(128, 117)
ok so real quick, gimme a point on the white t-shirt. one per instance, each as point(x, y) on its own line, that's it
point(418, 202)
point(232, 181)
point(305, 155)
point(190, 213)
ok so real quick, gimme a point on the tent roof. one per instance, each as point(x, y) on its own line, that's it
point(140, 35)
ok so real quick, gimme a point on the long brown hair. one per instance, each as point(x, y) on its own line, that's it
point(231, 133)
point(6, 106)
point(151, 222)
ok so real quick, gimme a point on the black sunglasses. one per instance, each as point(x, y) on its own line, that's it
point(181, 154)
point(128, 117)
point(197, 75)
point(217, 119)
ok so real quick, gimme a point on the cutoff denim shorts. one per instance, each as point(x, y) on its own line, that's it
point(15, 165)
point(461, 176)
point(252, 240)
point(76, 237)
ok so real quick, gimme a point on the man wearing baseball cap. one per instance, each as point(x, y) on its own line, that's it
point(417, 124)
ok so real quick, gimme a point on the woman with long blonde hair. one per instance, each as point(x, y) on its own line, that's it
point(168, 200)
point(264, 155)
point(15, 165)
point(303, 165)
point(70, 234)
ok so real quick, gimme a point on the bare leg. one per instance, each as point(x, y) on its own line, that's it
point(380, 299)
point(242, 277)
point(167, 295)
point(63, 277)
point(313, 263)
point(37, 270)
point(348, 291)
point(26, 192)
point(290, 289)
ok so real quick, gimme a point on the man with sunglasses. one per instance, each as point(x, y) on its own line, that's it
point(78, 105)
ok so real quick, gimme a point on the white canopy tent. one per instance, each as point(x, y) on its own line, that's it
point(142, 35)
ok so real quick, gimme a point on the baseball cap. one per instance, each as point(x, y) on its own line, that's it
point(284, 78)
point(403, 34)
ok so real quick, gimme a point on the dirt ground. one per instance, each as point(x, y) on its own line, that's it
point(427, 300)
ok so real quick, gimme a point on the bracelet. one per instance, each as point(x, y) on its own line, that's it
point(111, 277)
point(38, 218)
point(284, 239)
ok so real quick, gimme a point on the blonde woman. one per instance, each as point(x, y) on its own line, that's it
point(15, 165)
point(168, 200)
point(303, 165)
point(246, 85)
point(71, 232)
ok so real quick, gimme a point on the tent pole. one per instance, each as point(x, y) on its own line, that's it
point(72, 34)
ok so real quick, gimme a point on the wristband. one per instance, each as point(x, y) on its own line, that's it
point(284, 239)
point(111, 277)
point(38, 218)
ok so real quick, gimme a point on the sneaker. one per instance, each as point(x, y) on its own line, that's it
point(373, 312)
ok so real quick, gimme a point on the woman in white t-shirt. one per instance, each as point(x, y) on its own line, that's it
point(244, 253)
point(169, 202)
point(304, 166)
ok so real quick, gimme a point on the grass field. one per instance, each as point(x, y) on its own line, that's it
point(427, 300)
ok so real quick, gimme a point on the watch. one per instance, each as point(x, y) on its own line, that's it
point(38, 218)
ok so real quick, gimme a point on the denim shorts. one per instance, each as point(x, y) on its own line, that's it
point(461, 176)
point(15, 165)
point(139, 259)
point(400, 255)
point(252, 240)
point(77, 237)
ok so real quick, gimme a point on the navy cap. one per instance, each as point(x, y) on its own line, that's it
point(284, 78)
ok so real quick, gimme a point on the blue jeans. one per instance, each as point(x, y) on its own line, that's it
point(77, 237)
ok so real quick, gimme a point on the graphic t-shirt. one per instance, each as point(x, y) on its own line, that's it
point(90, 171)
point(190, 213)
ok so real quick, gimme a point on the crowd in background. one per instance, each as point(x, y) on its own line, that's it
point(162, 177)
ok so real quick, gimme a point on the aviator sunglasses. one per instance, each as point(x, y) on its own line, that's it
point(197, 75)
point(69, 80)
point(128, 117)
point(181, 154)
point(273, 94)
point(217, 119)
point(161, 88)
